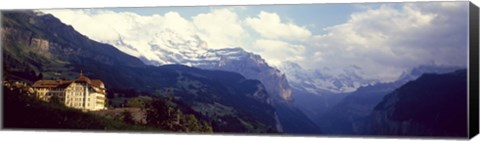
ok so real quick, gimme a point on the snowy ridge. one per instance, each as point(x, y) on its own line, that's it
point(167, 47)
point(349, 80)
point(323, 80)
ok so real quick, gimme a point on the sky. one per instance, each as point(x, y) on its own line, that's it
point(321, 12)
point(382, 39)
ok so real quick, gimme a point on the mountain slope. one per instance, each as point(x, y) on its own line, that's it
point(39, 46)
point(432, 105)
point(294, 121)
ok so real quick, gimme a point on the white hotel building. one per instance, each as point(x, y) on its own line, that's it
point(81, 93)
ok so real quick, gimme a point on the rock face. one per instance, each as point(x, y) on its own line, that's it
point(40, 44)
point(251, 66)
point(432, 105)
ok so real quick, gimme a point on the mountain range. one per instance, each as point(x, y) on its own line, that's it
point(236, 90)
point(168, 47)
point(43, 47)
point(320, 96)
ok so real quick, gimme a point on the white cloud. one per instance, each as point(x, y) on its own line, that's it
point(220, 28)
point(275, 51)
point(270, 26)
point(387, 41)
point(101, 30)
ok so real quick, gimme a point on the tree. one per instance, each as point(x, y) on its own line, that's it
point(191, 124)
point(160, 114)
point(127, 117)
point(206, 127)
point(136, 102)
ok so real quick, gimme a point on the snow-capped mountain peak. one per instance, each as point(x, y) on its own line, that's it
point(168, 47)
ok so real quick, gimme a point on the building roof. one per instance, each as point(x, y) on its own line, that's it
point(51, 83)
point(65, 83)
point(83, 78)
point(97, 83)
point(99, 91)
